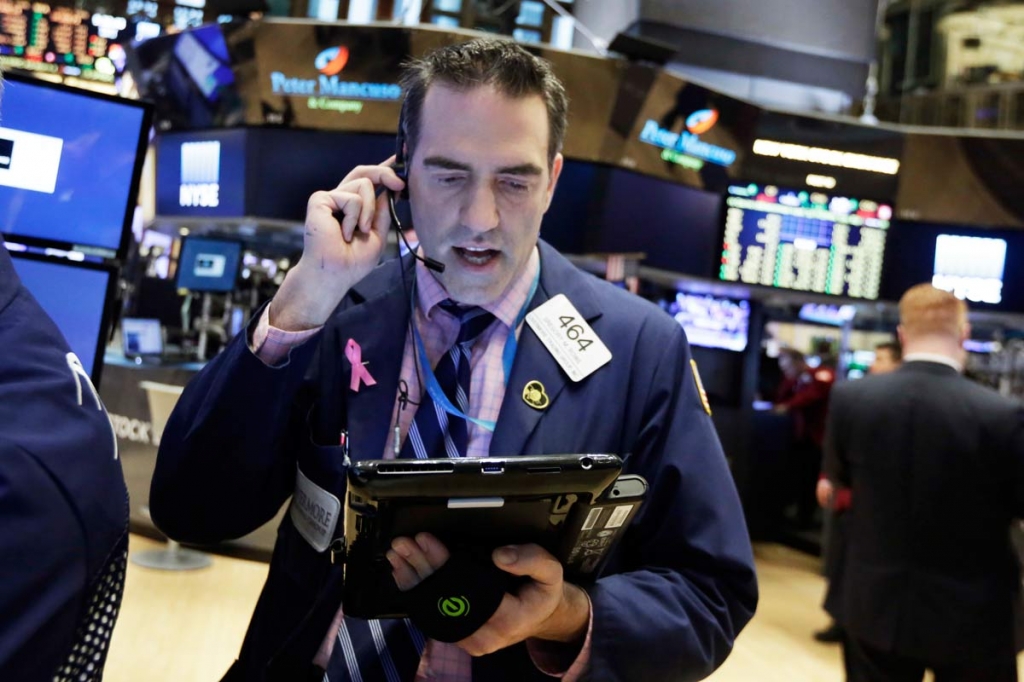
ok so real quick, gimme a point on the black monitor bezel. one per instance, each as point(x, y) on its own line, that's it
point(142, 144)
point(109, 302)
point(238, 265)
point(890, 290)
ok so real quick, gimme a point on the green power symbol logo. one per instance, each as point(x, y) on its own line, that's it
point(453, 607)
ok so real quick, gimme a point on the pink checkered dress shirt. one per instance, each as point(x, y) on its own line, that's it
point(443, 662)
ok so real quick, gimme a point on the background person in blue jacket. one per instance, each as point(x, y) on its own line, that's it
point(336, 353)
point(63, 502)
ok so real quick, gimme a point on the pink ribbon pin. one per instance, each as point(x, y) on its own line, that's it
point(359, 372)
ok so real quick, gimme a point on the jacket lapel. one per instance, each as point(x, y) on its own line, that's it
point(378, 324)
point(517, 421)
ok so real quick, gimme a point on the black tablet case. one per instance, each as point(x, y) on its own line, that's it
point(575, 506)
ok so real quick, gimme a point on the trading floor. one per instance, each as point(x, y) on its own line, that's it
point(187, 626)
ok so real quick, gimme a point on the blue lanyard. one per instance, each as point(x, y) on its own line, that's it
point(508, 356)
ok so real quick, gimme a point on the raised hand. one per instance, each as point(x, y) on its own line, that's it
point(336, 255)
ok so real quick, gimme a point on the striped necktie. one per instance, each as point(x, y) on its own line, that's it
point(434, 432)
point(390, 650)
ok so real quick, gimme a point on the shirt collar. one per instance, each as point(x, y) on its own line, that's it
point(430, 292)
point(934, 357)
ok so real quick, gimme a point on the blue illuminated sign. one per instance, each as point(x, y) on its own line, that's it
point(331, 86)
point(330, 63)
point(688, 143)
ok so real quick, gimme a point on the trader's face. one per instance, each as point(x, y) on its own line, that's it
point(790, 368)
point(479, 184)
point(884, 363)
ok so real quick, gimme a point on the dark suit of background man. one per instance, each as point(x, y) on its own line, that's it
point(63, 502)
point(484, 126)
point(936, 464)
point(835, 502)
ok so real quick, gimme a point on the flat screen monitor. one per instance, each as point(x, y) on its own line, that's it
point(827, 313)
point(82, 318)
point(208, 265)
point(712, 321)
point(804, 240)
point(70, 162)
point(141, 337)
point(975, 263)
point(188, 76)
point(675, 226)
point(971, 267)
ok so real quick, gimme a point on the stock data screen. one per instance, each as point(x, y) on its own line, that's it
point(804, 240)
point(38, 36)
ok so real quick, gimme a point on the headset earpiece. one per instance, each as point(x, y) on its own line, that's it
point(401, 160)
point(401, 168)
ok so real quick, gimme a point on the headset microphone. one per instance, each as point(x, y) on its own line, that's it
point(401, 168)
point(435, 265)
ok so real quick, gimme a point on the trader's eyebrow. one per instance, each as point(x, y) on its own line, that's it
point(444, 163)
point(521, 169)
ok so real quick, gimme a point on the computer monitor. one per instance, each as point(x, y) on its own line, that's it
point(208, 265)
point(675, 226)
point(141, 337)
point(975, 263)
point(972, 267)
point(804, 240)
point(827, 313)
point(70, 162)
point(712, 321)
point(84, 317)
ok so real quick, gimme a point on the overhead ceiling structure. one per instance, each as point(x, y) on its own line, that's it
point(989, 37)
point(829, 47)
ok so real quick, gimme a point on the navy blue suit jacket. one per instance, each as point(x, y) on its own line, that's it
point(63, 501)
point(676, 593)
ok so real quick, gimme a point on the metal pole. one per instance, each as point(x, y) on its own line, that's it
point(871, 85)
point(910, 66)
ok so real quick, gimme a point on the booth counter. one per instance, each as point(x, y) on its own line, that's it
point(139, 398)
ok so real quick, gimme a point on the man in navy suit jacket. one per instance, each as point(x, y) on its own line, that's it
point(484, 126)
point(936, 463)
point(63, 502)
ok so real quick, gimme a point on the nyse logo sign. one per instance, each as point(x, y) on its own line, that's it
point(200, 175)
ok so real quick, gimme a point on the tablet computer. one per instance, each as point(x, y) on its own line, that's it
point(575, 506)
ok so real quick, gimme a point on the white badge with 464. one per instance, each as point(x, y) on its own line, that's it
point(569, 338)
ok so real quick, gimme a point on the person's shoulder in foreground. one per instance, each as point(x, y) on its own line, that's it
point(63, 501)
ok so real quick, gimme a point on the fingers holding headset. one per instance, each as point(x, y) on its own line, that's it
point(330, 265)
point(369, 211)
point(355, 206)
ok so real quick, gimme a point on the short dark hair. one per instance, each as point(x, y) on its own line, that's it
point(894, 348)
point(497, 62)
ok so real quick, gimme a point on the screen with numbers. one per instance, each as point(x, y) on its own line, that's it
point(804, 240)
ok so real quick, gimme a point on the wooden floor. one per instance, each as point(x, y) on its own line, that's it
point(188, 626)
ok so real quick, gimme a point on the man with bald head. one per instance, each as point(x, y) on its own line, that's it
point(936, 464)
